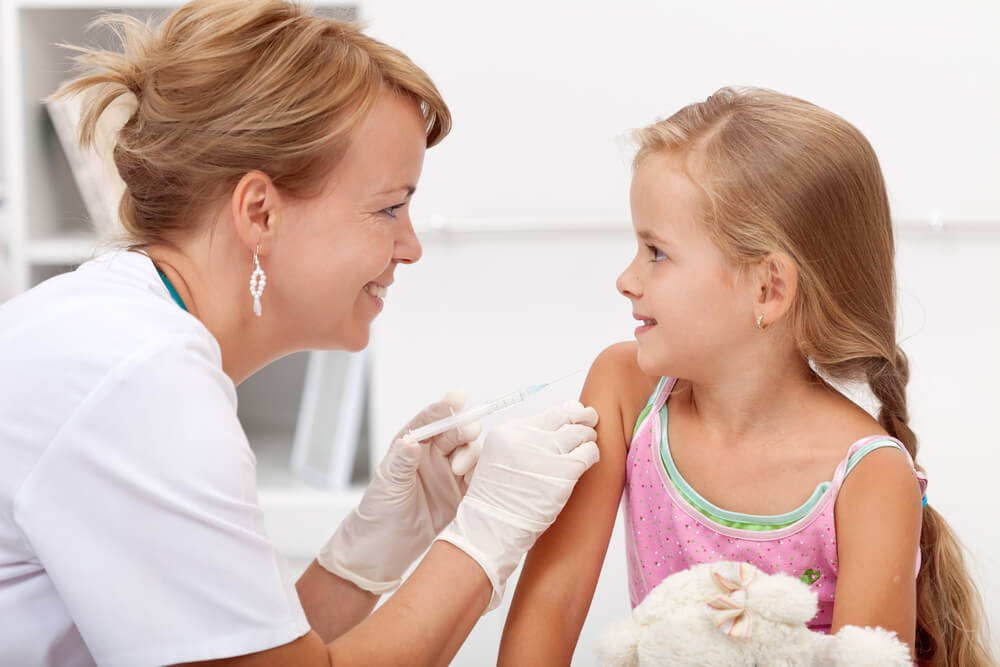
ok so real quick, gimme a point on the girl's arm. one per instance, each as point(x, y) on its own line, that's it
point(560, 572)
point(878, 517)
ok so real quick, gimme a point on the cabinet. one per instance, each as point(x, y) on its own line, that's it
point(48, 232)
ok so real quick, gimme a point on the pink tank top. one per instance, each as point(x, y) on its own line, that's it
point(666, 533)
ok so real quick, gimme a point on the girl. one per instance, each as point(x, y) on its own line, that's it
point(764, 271)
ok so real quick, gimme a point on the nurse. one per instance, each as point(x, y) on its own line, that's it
point(270, 163)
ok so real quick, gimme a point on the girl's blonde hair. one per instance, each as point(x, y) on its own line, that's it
point(781, 174)
point(223, 87)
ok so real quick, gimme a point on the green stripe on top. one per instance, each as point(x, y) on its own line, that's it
point(725, 517)
point(170, 288)
point(649, 405)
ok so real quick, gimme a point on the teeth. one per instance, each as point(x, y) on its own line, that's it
point(375, 290)
point(648, 322)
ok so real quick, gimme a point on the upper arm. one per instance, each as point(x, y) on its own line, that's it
point(878, 517)
point(306, 651)
point(560, 572)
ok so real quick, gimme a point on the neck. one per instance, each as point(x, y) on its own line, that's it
point(214, 288)
point(756, 401)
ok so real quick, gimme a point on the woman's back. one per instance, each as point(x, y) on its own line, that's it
point(121, 451)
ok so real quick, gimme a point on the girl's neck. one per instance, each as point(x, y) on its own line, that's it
point(753, 402)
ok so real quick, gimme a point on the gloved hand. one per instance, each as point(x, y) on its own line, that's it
point(525, 475)
point(412, 496)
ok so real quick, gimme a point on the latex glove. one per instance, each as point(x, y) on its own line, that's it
point(525, 475)
point(413, 495)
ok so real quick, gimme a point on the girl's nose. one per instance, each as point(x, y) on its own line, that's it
point(627, 283)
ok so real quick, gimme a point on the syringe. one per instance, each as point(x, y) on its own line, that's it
point(472, 414)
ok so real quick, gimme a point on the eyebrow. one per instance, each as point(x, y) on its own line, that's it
point(410, 189)
point(646, 235)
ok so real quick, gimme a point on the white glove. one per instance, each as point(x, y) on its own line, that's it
point(525, 475)
point(412, 496)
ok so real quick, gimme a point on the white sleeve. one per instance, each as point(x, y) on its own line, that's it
point(144, 513)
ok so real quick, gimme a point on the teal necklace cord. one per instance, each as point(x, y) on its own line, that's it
point(170, 288)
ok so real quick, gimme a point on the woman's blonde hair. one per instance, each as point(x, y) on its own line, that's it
point(223, 87)
point(781, 174)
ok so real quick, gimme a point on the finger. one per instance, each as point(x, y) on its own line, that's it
point(588, 454)
point(570, 436)
point(455, 437)
point(464, 458)
point(451, 403)
point(570, 412)
point(580, 414)
point(402, 460)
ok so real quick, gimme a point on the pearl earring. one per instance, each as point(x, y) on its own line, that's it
point(760, 321)
point(257, 281)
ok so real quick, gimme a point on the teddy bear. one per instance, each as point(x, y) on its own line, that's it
point(733, 614)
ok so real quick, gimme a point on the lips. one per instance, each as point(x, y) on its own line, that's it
point(645, 319)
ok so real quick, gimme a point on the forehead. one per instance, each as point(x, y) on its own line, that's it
point(387, 148)
point(665, 201)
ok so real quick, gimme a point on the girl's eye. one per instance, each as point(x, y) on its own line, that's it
point(657, 255)
point(391, 211)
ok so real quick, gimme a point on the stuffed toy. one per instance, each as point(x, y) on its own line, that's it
point(732, 614)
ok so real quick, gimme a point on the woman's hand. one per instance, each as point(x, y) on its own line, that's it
point(526, 474)
point(413, 495)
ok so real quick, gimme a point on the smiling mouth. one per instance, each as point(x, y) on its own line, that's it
point(376, 290)
point(646, 321)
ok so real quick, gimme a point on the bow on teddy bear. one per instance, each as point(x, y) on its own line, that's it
point(731, 613)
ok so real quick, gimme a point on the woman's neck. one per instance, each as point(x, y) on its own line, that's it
point(211, 288)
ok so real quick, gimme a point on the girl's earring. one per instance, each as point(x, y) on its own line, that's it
point(257, 281)
point(760, 322)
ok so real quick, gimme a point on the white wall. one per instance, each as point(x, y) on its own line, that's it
point(543, 94)
point(559, 82)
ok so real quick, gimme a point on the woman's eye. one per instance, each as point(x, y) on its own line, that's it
point(391, 210)
point(657, 255)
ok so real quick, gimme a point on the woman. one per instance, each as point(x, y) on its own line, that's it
point(279, 150)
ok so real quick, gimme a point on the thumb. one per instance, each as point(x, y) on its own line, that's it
point(401, 462)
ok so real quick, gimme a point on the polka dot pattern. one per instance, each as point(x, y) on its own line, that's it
point(665, 534)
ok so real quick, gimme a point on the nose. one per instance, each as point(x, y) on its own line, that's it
point(407, 248)
point(628, 282)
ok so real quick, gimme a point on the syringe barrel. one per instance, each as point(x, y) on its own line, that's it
point(466, 416)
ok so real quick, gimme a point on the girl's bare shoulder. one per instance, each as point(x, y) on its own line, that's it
point(615, 379)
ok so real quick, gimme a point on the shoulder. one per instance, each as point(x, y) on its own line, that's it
point(616, 370)
point(89, 321)
point(617, 385)
point(879, 508)
point(883, 475)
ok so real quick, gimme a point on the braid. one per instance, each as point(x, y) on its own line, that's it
point(887, 379)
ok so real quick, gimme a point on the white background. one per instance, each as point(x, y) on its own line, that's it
point(530, 191)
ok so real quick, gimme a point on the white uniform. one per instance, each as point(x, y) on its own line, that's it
point(130, 532)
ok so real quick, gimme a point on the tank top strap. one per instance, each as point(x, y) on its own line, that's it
point(662, 393)
point(654, 404)
point(867, 445)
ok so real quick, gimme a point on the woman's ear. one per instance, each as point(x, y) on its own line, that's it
point(255, 207)
point(776, 283)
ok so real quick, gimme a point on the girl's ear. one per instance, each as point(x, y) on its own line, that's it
point(776, 283)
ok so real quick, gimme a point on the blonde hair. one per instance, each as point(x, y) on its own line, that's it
point(223, 87)
point(781, 174)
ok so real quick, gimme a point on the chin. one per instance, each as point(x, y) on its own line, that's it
point(357, 341)
point(651, 364)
